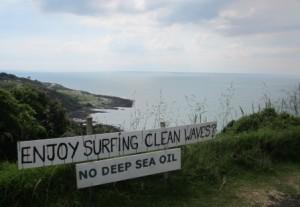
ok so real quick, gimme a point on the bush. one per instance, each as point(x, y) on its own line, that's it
point(27, 113)
point(254, 142)
point(49, 113)
point(17, 122)
point(268, 118)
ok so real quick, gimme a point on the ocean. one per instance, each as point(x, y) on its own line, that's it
point(177, 98)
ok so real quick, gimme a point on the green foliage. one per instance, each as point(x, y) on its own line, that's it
point(28, 113)
point(50, 113)
point(34, 187)
point(56, 186)
point(268, 118)
point(254, 142)
point(17, 122)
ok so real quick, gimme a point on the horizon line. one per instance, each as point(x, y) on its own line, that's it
point(151, 71)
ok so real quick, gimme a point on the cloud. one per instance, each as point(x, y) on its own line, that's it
point(192, 11)
point(98, 7)
point(230, 17)
point(175, 35)
point(258, 17)
point(175, 11)
point(68, 6)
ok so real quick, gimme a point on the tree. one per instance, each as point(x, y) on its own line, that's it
point(50, 113)
point(17, 122)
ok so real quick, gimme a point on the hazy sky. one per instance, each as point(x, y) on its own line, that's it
point(150, 35)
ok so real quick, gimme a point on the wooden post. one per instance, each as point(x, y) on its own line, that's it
point(89, 131)
point(89, 125)
point(163, 125)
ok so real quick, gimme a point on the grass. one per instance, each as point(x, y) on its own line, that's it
point(56, 187)
point(253, 162)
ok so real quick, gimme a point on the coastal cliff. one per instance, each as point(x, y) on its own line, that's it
point(77, 103)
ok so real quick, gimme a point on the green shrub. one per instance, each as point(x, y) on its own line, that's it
point(49, 113)
point(27, 113)
point(17, 122)
point(253, 142)
point(268, 118)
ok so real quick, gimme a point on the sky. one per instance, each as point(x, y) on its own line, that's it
point(226, 36)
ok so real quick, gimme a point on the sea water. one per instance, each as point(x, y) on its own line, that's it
point(177, 98)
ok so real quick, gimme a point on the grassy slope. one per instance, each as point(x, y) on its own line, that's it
point(255, 162)
point(55, 186)
point(86, 98)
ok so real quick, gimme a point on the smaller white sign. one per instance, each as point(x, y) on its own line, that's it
point(123, 168)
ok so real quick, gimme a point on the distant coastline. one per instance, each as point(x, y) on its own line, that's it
point(78, 104)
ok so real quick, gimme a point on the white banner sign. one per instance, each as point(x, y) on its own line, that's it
point(123, 168)
point(45, 152)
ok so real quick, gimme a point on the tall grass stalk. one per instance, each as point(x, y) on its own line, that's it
point(226, 105)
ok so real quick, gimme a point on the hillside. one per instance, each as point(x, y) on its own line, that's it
point(36, 110)
point(254, 162)
point(77, 103)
